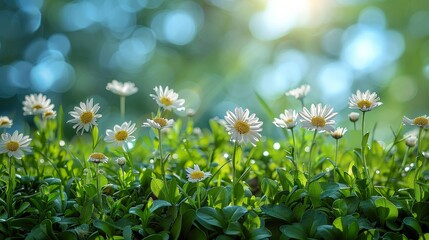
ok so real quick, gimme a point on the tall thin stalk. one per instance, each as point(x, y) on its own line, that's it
point(313, 142)
point(233, 173)
point(122, 106)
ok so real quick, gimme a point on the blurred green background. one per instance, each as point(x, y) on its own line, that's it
point(217, 54)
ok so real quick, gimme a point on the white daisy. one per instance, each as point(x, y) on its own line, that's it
point(300, 92)
point(196, 175)
point(242, 127)
point(122, 89)
point(15, 144)
point(121, 135)
point(168, 99)
point(5, 122)
point(318, 118)
point(364, 101)
point(36, 104)
point(49, 114)
point(287, 120)
point(421, 121)
point(98, 158)
point(338, 133)
point(85, 116)
point(159, 123)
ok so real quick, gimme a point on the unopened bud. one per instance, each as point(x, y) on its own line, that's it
point(121, 161)
point(411, 141)
point(354, 116)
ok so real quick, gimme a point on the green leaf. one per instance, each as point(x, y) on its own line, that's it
point(365, 139)
point(107, 228)
point(386, 210)
point(348, 225)
point(159, 204)
point(413, 223)
point(234, 213)
point(327, 232)
point(234, 228)
point(260, 233)
point(157, 187)
point(295, 230)
point(269, 187)
point(22, 208)
point(210, 218)
point(265, 106)
point(278, 211)
point(94, 136)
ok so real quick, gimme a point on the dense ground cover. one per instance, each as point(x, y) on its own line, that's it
point(172, 180)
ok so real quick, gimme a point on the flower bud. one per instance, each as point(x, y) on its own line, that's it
point(121, 161)
point(354, 116)
point(411, 141)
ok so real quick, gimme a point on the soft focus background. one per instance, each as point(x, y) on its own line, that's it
point(217, 54)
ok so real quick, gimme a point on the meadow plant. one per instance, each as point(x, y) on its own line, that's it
point(174, 182)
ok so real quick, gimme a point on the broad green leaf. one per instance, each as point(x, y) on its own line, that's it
point(269, 187)
point(234, 213)
point(386, 210)
point(210, 218)
point(159, 204)
point(107, 228)
point(348, 225)
point(258, 234)
point(296, 231)
point(157, 187)
point(413, 223)
point(278, 211)
point(234, 228)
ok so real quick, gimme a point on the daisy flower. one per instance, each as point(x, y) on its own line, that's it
point(122, 89)
point(5, 122)
point(338, 133)
point(243, 127)
point(85, 116)
point(287, 120)
point(15, 145)
point(36, 104)
point(364, 101)
point(422, 121)
point(98, 158)
point(300, 92)
point(196, 175)
point(168, 99)
point(121, 135)
point(49, 114)
point(318, 118)
point(159, 123)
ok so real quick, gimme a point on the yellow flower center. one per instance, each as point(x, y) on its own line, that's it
point(98, 156)
point(3, 122)
point(121, 135)
point(12, 146)
point(166, 101)
point(161, 121)
point(289, 120)
point(421, 121)
point(242, 127)
point(318, 121)
point(364, 104)
point(197, 175)
point(86, 117)
point(37, 106)
point(48, 114)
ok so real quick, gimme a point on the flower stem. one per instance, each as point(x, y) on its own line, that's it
point(363, 147)
point(10, 188)
point(417, 171)
point(313, 142)
point(122, 106)
point(97, 172)
point(161, 158)
point(233, 173)
point(198, 195)
point(295, 154)
point(336, 156)
point(404, 160)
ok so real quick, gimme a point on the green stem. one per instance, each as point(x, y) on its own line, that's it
point(233, 173)
point(313, 142)
point(354, 125)
point(404, 160)
point(417, 171)
point(198, 195)
point(161, 159)
point(419, 141)
point(122, 106)
point(336, 157)
point(10, 188)
point(363, 147)
point(295, 154)
point(97, 173)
